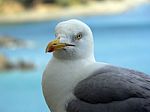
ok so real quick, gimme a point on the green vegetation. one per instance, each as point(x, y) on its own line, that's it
point(2, 1)
point(69, 2)
point(30, 3)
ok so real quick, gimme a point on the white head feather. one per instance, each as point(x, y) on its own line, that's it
point(68, 31)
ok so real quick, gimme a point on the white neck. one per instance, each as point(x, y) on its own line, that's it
point(89, 59)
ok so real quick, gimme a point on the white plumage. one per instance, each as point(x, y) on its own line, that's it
point(74, 82)
point(67, 68)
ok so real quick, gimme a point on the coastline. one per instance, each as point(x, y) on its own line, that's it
point(48, 12)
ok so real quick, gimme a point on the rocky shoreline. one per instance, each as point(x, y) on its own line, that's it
point(47, 12)
point(7, 64)
point(13, 43)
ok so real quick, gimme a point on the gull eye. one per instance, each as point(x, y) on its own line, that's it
point(78, 36)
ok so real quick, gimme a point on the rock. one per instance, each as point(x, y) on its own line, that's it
point(13, 43)
point(6, 64)
point(25, 65)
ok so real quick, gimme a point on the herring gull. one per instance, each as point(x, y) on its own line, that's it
point(74, 82)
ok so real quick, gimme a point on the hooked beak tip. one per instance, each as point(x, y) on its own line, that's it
point(56, 45)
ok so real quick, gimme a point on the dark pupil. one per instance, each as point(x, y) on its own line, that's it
point(79, 35)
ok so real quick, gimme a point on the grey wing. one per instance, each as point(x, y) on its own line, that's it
point(112, 89)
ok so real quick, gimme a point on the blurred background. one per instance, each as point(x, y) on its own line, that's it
point(121, 30)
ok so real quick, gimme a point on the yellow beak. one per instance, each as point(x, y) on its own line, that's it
point(56, 45)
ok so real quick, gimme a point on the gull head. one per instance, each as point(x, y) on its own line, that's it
point(73, 40)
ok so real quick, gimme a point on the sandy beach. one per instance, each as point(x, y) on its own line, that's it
point(44, 12)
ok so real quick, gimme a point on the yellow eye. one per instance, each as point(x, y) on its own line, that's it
point(79, 36)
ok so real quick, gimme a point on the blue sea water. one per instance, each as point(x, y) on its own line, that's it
point(123, 40)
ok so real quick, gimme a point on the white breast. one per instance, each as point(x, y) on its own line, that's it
point(59, 79)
